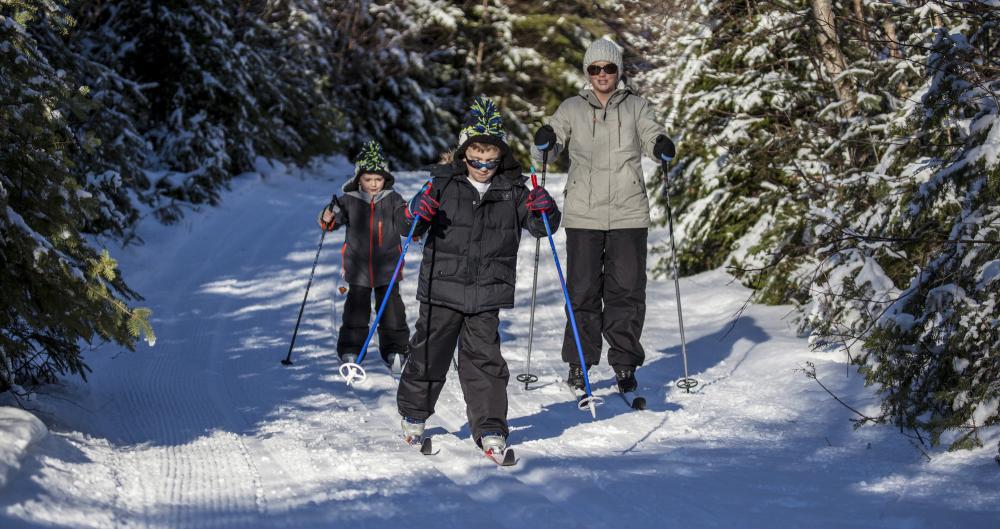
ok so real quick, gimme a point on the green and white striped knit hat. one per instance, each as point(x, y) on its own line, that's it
point(370, 160)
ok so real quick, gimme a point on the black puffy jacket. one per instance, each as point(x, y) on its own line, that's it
point(470, 249)
point(374, 226)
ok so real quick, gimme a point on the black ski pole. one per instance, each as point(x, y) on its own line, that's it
point(665, 151)
point(288, 358)
point(527, 377)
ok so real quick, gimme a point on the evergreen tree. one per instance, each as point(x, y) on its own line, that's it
point(911, 281)
point(58, 291)
point(397, 79)
point(842, 155)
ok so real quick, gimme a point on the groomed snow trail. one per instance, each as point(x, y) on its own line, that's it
point(207, 429)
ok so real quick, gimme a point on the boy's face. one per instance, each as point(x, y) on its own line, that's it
point(474, 157)
point(372, 183)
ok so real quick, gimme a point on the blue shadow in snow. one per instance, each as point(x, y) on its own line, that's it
point(707, 351)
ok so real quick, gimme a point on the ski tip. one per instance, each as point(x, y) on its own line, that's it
point(427, 447)
point(639, 403)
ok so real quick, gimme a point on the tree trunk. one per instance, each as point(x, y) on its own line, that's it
point(893, 40)
point(478, 78)
point(833, 58)
point(859, 14)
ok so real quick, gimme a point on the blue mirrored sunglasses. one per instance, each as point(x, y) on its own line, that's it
point(485, 165)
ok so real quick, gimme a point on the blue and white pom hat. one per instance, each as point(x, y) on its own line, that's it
point(483, 124)
point(371, 160)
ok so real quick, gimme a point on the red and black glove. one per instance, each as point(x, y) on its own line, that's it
point(334, 209)
point(540, 201)
point(424, 206)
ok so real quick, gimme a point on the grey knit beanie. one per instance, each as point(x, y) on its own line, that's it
point(602, 50)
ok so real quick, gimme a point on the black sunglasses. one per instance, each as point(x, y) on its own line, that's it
point(610, 68)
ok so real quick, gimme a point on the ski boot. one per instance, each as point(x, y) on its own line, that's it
point(493, 443)
point(348, 358)
point(575, 377)
point(413, 430)
point(494, 447)
point(625, 375)
point(395, 363)
point(627, 385)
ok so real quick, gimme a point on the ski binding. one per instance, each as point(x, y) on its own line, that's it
point(503, 459)
point(633, 401)
point(425, 444)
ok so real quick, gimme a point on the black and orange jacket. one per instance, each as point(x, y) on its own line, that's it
point(375, 225)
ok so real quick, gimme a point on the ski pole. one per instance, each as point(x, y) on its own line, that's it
point(665, 155)
point(590, 401)
point(352, 371)
point(527, 377)
point(288, 358)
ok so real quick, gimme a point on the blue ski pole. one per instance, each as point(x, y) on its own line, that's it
point(590, 401)
point(352, 371)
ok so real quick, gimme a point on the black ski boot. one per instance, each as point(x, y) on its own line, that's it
point(626, 379)
point(575, 377)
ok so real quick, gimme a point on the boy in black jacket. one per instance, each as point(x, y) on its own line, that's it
point(473, 216)
point(376, 218)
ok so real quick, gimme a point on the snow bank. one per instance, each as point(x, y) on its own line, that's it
point(18, 430)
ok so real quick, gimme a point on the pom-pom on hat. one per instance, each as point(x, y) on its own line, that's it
point(371, 160)
point(483, 124)
point(602, 50)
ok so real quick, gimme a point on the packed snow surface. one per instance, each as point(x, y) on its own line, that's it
point(208, 429)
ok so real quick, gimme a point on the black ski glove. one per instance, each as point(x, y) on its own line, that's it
point(545, 138)
point(664, 149)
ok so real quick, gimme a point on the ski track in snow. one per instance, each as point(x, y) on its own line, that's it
point(207, 429)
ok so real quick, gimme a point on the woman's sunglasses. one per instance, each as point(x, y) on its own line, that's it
point(610, 68)
point(486, 165)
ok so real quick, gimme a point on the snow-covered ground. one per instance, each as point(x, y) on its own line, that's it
point(208, 429)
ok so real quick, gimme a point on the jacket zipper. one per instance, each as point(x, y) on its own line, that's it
point(380, 233)
point(343, 260)
point(371, 244)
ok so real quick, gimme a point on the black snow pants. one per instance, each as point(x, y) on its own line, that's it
point(606, 279)
point(482, 370)
point(393, 332)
